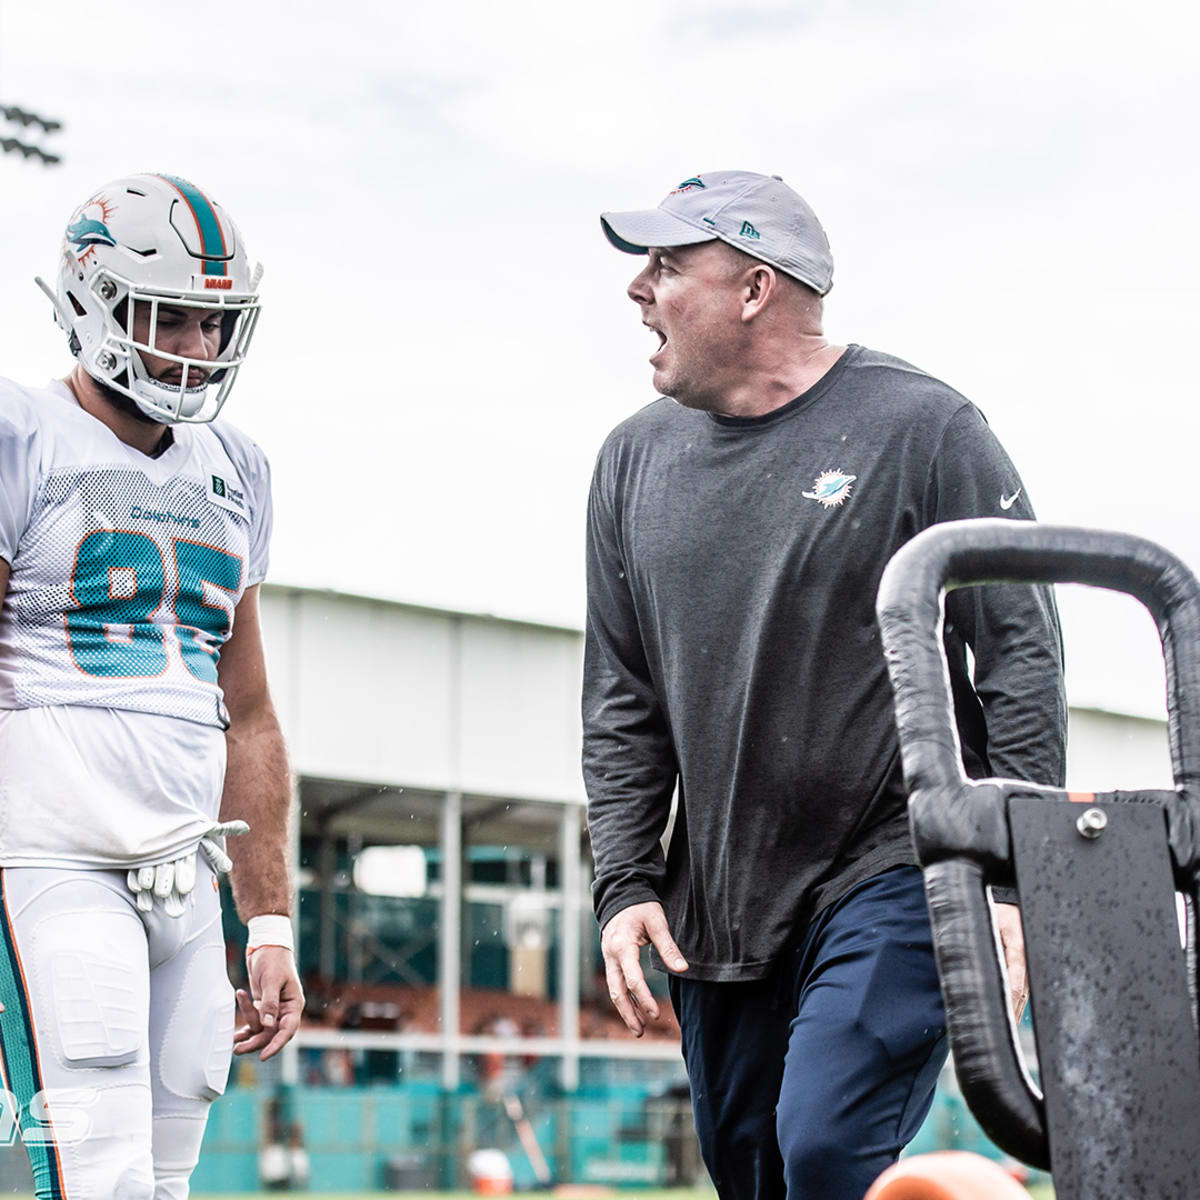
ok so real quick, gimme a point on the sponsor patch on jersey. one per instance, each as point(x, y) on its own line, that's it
point(831, 488)
point(225, 491)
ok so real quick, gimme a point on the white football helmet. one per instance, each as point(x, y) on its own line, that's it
point(155, 240)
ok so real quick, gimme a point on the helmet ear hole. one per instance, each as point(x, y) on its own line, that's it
point(80, 311)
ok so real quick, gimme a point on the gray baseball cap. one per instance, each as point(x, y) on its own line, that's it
point(759, 214)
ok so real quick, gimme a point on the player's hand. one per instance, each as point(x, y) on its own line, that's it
point(269, 1014)
point(621, 942)
point(1012, 940)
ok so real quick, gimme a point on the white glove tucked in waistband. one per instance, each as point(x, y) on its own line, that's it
point(171, 881)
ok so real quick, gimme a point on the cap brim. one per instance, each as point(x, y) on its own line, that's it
point(636, 232)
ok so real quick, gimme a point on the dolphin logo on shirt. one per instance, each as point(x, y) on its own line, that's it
point(831, 488)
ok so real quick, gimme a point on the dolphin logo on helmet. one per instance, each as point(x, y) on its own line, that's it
point(86, 232)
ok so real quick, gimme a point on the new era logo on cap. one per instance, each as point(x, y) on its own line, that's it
point(739, 207)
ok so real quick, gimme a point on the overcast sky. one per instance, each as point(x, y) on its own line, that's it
point(1010, 191)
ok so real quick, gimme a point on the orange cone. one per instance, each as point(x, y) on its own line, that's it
point(948, 1175)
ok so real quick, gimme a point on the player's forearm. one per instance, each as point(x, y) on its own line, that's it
point(258, 790)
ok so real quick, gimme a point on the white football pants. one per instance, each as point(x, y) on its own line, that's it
point(116, 1033)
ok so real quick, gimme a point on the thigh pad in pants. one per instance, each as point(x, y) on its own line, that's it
point(85, 970)
point(192, 1060)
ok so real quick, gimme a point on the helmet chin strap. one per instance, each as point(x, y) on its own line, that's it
point(125, 405)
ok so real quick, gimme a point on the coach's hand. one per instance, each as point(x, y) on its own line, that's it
point(270, 1011)
point(1012, 939)
point(621, 941)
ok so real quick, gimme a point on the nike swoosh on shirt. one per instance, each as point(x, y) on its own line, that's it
point(1006, 502)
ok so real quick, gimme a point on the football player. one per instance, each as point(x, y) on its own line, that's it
point(136, 727)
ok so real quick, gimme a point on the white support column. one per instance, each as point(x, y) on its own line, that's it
point(289, 1058)
point(450, 937)
point(569, 944)
point(356, 960)
point(326, 870)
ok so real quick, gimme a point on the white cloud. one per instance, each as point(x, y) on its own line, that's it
point(1009, 191)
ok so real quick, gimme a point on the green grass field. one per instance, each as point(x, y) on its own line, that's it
point(1042, 1193)
point(1045, 1192)
point(616, 1194)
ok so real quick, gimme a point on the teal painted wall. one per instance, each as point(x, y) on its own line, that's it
point(354, 1136)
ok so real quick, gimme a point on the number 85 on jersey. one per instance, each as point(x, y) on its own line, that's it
point(135, 604)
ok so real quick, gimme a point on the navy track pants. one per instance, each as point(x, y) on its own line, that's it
point(808, 1084)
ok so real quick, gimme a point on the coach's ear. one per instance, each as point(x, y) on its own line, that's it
point(759, 287)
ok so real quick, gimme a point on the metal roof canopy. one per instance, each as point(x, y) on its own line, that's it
point(401, 816)
point(450, 820)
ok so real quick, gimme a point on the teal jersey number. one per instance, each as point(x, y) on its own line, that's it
point(119, 581)
point(197, 564)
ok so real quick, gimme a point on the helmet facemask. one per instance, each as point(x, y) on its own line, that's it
point(204, 383)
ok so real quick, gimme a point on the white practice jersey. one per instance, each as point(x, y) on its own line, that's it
point(125, 573)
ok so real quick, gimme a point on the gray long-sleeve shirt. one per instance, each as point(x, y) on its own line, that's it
point(732, 648)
